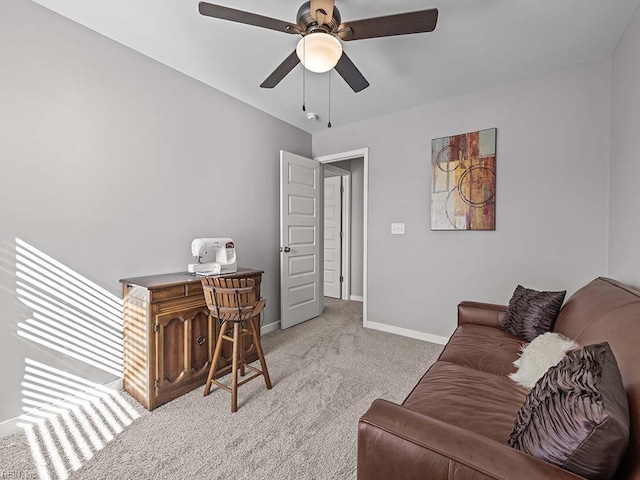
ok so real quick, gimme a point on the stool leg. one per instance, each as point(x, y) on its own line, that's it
point(214, 363)
point(263, 363)
point(242, 356)
point(234, 368)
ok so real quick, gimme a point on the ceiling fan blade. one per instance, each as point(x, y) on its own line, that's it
point(402, 24)
point(233, 15)
point(281, 71)
point(319, 6)
point(350, 73)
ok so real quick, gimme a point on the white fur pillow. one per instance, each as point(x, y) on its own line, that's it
point(537, 357)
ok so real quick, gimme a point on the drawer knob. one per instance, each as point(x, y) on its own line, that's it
point(200, 340)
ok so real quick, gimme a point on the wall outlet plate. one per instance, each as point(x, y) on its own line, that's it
point(397, 229)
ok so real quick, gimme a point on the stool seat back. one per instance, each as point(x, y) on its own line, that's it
point(231, 299)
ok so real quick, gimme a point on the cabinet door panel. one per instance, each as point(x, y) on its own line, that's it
point(201, 338)
point(170, 347)
point(183, 346)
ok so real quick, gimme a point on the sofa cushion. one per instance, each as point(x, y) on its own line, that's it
point(577, 416)
point(483, 348)
point(531, 313)
point(471, 399)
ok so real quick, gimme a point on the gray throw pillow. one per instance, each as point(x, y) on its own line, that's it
point(577, 415)
point(531, 313)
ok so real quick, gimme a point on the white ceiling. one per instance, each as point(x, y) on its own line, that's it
point(477, 44)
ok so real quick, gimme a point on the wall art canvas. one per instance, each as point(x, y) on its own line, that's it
point(463, 181)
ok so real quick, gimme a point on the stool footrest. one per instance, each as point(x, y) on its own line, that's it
point(221, 385)
point(228, 368)
point(228, 389)
point(255, 375)
point(230, 339)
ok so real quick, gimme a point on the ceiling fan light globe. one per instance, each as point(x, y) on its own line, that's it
point(319, 52)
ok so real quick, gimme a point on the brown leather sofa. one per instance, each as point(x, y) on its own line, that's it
point(455, 423)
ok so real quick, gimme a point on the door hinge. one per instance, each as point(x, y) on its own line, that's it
point(341, 278)
point(341, 234)
point(156, 328)
point(155, 383)
point(341, 189)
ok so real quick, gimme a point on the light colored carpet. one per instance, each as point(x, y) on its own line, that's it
point(325, 374)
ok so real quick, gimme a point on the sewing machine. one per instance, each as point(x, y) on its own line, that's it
point(225, 256)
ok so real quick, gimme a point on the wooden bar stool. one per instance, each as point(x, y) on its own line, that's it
point(233, 302)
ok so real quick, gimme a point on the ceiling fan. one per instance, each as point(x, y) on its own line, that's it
point(321, 27)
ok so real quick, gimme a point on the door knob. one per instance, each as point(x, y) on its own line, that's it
point(287, 249)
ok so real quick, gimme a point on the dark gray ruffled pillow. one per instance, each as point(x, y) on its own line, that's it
point(531, 313)
point(577, 415)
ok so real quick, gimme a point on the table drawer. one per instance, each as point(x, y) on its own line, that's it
point(177, 291)
point(194, 288)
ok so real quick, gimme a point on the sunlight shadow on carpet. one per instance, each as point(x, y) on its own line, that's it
point(67, 418)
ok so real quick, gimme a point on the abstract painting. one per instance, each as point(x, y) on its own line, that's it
point(463, 181)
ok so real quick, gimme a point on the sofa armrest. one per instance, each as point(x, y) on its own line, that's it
point(486, 314)
point(397, 443)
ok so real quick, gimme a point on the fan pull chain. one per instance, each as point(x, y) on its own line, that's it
point(304, 74)
point(329, 124)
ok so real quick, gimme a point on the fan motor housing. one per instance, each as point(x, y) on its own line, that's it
point(308, 24)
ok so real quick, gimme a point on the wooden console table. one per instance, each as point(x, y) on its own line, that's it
point(169, 335)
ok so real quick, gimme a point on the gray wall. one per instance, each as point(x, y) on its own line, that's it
point(624, 250)
point(552, 197)
point(112, 163)
point(356, 167)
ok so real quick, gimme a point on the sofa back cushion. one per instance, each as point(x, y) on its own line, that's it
point(608, 311)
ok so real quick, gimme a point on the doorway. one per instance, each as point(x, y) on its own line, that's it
point(336, 231)
point(350, 171)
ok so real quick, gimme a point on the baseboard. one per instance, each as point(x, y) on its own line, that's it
point(9, 427)
point(116, 385)
point(270, 327)
point(356, 298)
point(405, 332)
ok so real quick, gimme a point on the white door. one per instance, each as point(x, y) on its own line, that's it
point(332, 237)
point(300, 207)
